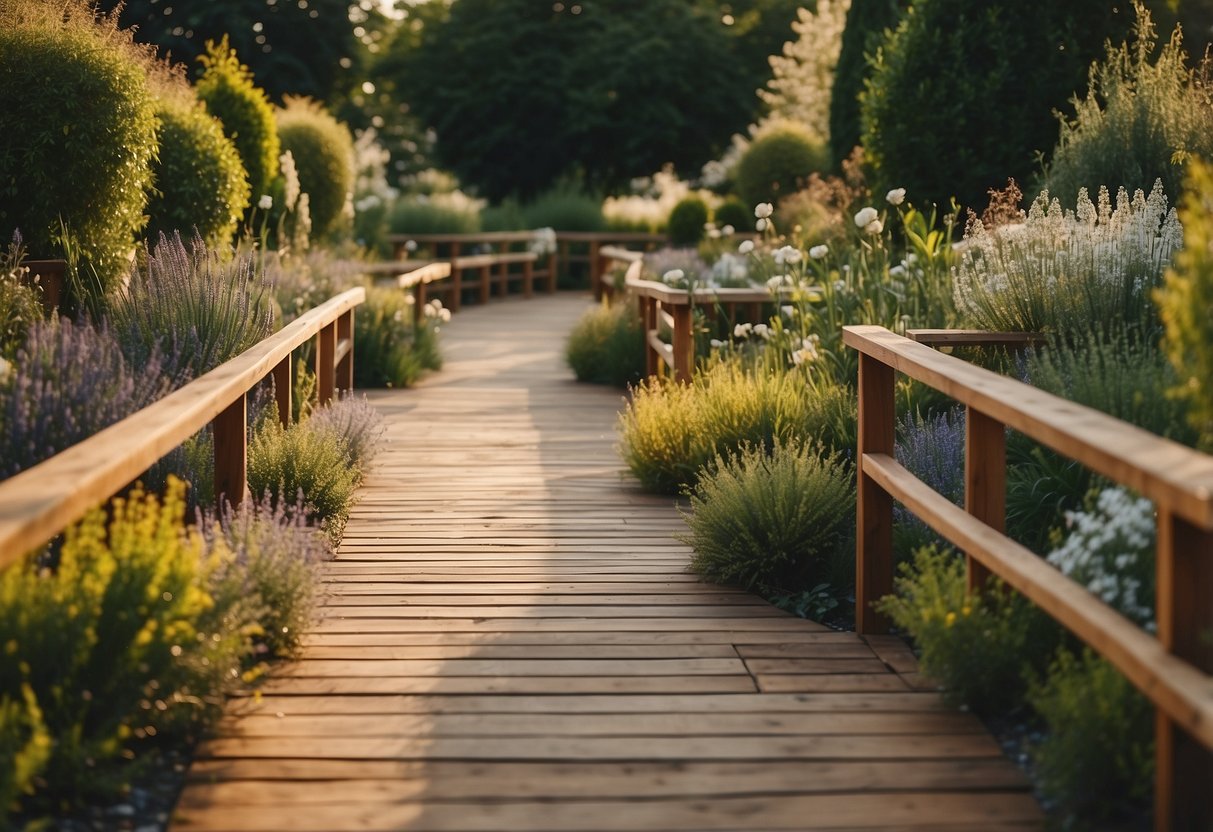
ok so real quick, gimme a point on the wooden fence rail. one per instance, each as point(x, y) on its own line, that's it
point(1171, 669)
point(40, 502)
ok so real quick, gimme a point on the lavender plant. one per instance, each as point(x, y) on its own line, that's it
point(355, 425)
point(70, 381)
point(933, 449)
point(193, 306)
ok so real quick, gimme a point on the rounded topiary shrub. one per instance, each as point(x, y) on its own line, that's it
point(687, 221)
point(735, 213)
point(324, 153)
point(77, 134)
point(227, 88)
point(778, 162)
point(962, 94)
point(199, 183)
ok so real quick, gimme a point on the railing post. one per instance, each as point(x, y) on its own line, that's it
point(874, 509)
point(648, 322)
point(985, 481)
point(283, 390)
point(1183, 767)
point(230, 429)
point(684, 344)
point(345, 368)
point(326, 372)
point(595, 269)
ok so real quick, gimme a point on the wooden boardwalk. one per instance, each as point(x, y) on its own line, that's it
point(512, 642)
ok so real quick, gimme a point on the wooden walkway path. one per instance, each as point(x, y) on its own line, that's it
point(512, 642)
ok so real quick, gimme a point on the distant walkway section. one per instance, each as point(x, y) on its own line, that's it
point(513, 642)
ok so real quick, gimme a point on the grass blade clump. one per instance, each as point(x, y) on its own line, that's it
point(773, 521)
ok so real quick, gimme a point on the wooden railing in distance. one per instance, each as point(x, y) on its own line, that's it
point(414, 276)
point(40, 502)
point(1172, 669)
point(660, 304)
point(490, 255)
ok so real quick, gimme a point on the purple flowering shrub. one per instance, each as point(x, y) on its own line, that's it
point(933, 449)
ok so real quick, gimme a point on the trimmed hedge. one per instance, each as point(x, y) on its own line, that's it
point(323, 150)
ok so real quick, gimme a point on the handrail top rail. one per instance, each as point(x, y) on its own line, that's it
point(40, 502)
point(611, 236)
point(471, 261)
point(620, 253)
point(523, 236)
point(1165, 472)
point(670, 296)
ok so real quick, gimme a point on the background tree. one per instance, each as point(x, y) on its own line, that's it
point(962, 95)
point(522, 93)
point(866, 23)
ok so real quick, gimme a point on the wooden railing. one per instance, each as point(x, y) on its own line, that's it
point(663, 307)
point(40, 502)
point(413, 276)
point(1170, 669)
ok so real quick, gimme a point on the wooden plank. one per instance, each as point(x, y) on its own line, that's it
point(384, 668)
point(511, 685)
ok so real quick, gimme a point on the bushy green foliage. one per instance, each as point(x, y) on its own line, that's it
point(391, 351)
point(1097, 756)
point(355, 425)
point(1186, 303)
point(414, 215)
point(302, 470)
point(669, 432)
point(606, 345)
point(77, 133)
point(227, 88)
point(735, 213)
point(20, 306)
point(1145, 113)
point(505, 216)
point(115, 641)
point(565, 208)
point(25, 748)
point(961, 95)
point(687, 221)
point(779, 162)
point(982, 647)
point(772, 519)
point(867, 21)
point(324, 158)
point(199, 183)
point(1070, 273)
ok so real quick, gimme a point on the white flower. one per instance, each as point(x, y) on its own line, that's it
point(728, 231)
point(713, 233)
point(290, 180)
point(763, 210)
point(742, 330)
point(897, 271)
point(896, 196)
point(673, 275)
point(788, 254)
point(776, 282)
point(866, 217)
point(409, 300)
point(839, 285)
point(746, 246)
point(411, 245)
point(874, 227)
point(444, 315)
point(818, 252)
point(716, 343)
point(266, 202)
point(788, 311)
point(762, 331)
point(761, 225)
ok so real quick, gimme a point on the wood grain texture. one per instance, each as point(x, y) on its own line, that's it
point(511, 639)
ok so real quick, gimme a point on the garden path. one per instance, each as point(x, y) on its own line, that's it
point(512, 642)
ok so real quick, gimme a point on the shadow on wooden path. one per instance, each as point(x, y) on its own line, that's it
point(512, 642)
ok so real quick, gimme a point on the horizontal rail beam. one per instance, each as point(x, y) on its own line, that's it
point(40, 502)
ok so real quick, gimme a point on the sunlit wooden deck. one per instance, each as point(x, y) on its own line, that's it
point(512, 642)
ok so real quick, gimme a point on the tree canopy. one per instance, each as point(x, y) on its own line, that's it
point(523, 93)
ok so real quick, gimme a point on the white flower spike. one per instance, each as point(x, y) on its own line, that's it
point(896, 196)
point(266, 202)
point(819, 252)
point(746, 247)
point(866, 217)
point(763, 210)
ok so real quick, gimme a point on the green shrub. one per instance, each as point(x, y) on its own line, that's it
point(77, 133)
point(199, 181)
point(227, 88)
point(671, 431)
point(1070, 273)
point(123, 639)
point(20, 305)
point(733, 212)
point(778, 162)
point(1144, 114)
point(417, 215)
point(867, 21)
point(302, 470)
point(1097, 757)
point(961, 95)
point(323, 150)
point(392, 352)
point(773, 519)
point(1186, 303)
point(1123, 376)
point(565, 208)
point(355, 425)
point(687, 221)
point(505, 216)
point(606, 345)
point(981, 648)
point(25, 748)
